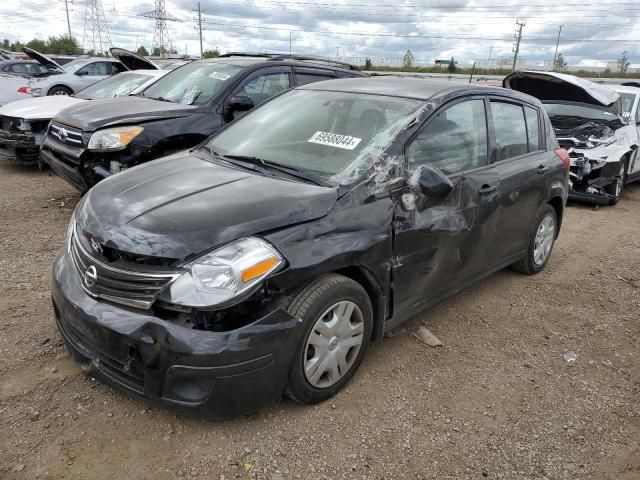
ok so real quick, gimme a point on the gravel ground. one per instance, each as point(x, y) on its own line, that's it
point(498, 400)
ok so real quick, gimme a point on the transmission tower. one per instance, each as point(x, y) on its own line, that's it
point(161, 38)
point(95, 34)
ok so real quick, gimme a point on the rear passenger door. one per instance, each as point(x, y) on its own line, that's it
point(304, 75)
point(522, 164)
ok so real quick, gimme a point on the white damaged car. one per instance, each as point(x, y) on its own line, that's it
point(589, 122)
point(23, 123)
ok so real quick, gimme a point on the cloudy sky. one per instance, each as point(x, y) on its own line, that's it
point(593, 32)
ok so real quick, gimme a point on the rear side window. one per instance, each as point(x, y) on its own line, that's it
point(454, 141)
point(510, 128)
point(533, 128)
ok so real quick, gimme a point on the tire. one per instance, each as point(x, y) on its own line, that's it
point(617, 188)
point(60, 90)
point(314, 305)
point(531, 263)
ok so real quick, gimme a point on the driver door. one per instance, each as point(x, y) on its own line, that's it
point(441, 244)
point(260, 86)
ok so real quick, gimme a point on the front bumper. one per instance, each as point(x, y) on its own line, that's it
point(20, 146)
point(212, 374)
point(592, 198)
point(70, 173)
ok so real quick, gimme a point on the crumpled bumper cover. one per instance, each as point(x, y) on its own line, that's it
point(212, 374)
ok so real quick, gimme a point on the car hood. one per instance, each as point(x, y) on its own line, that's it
point(132, 60)
point(40, 108)
point(182, 205)
point(43, 59)
point(123, 110)
point(560, 87)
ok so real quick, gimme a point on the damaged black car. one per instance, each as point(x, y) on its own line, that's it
point(265, 260)
point(589, 123)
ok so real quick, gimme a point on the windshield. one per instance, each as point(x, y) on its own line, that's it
point(333, 135)
point(628, 100)
point(118, 85)
point(74, 65)
point(193, 84)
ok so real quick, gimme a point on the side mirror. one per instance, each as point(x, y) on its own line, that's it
point(81, 73)
point(431, 182)
point(240, 103)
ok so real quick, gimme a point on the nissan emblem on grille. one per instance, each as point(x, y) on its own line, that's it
point(90, 276)
point(95, 245)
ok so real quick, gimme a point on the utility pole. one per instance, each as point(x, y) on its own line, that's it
point(555, 55)
point(199, 27)
point(161, 37)
point(289, 43)
point(337, 52)
point(95, 34)
point(518, 37)
point(490, 52)
point(66, 7)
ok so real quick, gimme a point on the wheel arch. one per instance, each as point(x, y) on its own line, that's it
point(60, 85)
point(376, 295)
point(558, 205)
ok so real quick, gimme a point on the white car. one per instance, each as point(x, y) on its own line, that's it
point(590, 123)
point(23, 123)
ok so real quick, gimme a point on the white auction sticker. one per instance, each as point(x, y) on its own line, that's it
point(345, 142)
point(219, 76)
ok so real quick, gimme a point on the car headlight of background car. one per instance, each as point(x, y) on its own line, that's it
point(111, 139)
point(224, 273)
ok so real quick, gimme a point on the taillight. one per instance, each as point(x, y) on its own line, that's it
point(25, 90)
point(563, 155)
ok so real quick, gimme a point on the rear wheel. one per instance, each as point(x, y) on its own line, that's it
point(541, 242)
point(60, 90)
point(338, 318)
point(616, 188)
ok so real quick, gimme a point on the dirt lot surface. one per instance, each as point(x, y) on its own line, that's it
point(498, 400)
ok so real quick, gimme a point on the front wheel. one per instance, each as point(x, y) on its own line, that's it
point(616, 188)
point(541, 242)
point(338, 317)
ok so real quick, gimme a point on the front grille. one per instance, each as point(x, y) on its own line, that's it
point(138, 289)
point(66, 135)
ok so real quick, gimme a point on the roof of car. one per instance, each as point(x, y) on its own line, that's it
point(395, 86)
point(624, 89)
point(246, 59)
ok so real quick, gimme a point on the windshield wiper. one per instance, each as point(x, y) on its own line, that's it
point(269, 165)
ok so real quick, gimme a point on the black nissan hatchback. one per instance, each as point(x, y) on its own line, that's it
point(87, 143)
point(265, 260)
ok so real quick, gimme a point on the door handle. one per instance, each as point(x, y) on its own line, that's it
point(486, 189)
point(542, 169)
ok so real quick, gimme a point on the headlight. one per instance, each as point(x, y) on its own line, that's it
point(115, 138)
point(224, 273)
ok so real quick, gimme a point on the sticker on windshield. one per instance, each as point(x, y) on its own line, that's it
point(220, 76)
point(334, 140)
point(189, 96)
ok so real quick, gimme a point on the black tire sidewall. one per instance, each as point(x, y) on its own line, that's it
point(56, 89)
point(544, 211)
point(299, 386)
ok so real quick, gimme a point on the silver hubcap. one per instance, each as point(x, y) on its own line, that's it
point(61, 92)
point(544, 240)
point(333, 344)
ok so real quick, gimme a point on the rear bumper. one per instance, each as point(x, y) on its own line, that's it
point(212, 374)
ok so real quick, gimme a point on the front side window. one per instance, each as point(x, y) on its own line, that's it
point(96, 69)
point(454, 141)
point(333, 135)
point(193, 84)
point(262, 88)
point(510, 128)
point(115, 86)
